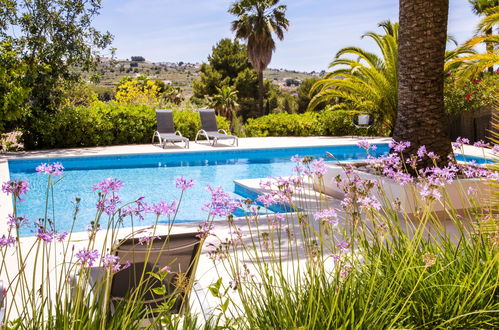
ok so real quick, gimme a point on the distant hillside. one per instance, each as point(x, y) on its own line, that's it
point(177, 74)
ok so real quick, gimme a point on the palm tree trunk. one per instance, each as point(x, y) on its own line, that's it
point(490, 48)
point(421, 119)
point(260, 93)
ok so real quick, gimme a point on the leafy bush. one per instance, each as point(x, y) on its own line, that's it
point(13, 94)
point(104, 93)
point(284, 124)
point(471, 95)
point(334, 123)
point(103, 124)
point(340, 123)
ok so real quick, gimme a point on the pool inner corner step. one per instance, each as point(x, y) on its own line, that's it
point(250, 188)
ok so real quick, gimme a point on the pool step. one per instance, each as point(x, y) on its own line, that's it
point(250, 188)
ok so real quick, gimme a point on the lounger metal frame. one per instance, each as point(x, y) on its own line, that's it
point(215, 139)
point(163, 141)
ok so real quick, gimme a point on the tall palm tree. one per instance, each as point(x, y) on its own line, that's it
point(257, 22)
point(480, 7)
point(367, 83)
point(421, 119)
point(225, 103)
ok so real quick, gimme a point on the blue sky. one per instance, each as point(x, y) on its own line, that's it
point(186, 30)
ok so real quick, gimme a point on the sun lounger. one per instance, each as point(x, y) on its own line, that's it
point(166, 129)
point(210, 128)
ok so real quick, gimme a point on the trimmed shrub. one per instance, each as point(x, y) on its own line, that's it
point(340, 123)
point(285, 124)
point(103, 124)
point(330, 123)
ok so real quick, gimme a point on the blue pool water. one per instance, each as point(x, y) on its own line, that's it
point(152, 176)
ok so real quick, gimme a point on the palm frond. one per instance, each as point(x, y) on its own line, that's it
point(490, 21)
point(367, 83)
point(471, 65)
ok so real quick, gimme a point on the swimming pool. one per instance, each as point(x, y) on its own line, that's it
point(152, 176)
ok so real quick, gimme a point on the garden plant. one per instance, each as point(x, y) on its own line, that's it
point(359, 263)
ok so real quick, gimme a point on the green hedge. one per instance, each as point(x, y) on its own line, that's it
point(340, 123)
point(112, 124)
point(285, 124)
point(103, 124)
point(330, 123)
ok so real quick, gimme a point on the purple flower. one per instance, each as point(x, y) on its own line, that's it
point(166, 269)
point(296, 159)
point(399, 146)
point(126, 265)
point(336, 258)
point(137, 210)
point(163, 208)
point(422, 151)
point(459, 142)
point(221, 204)
point(438, 176)
point(328, 215)
point(108, 205)
point(16, 188)
point(267, 199)
point(276, 219)
point(346, 202)
point(183, 183)
point(433, 155)
point(495, 149)
point(343, 247)
point(205, 229)
point(87, 257)
point(298, 169)
point(7, 241)
point(481, 144)
point(45, 236)
point(318, 167)
point(364, 144)
point(345, 270)
point(61, 236)
point(401, 177)
point(108, 185)
point(55, 169)
point(17, 222)
point(430, 193)
point(110, 262)
point(471, 191)
point(369, 203)
point(148, 239)
point(265, 184)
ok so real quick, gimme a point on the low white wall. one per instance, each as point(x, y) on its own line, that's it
point(389, 192)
